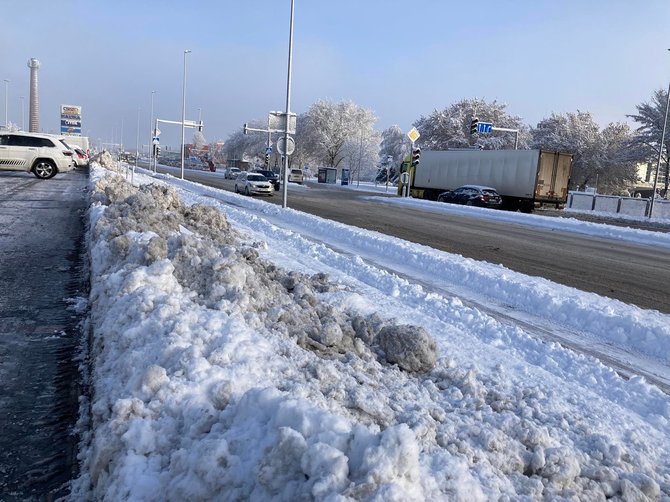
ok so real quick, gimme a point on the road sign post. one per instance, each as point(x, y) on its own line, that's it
point(286, 145)
point(484, 127)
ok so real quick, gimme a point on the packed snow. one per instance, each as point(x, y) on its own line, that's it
point(240, 351)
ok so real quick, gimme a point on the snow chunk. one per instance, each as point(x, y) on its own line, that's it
point(410, 347)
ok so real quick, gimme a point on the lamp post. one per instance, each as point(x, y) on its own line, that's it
point(288, 105)
point(6, 94)
point(660, 153)
point(183, 114)
point(151, 131)
point(137, 144)
point(23, 113)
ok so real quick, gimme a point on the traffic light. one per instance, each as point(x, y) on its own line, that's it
point(473, 125)
point(416, 154)
point(157, 150)
point(267, 159)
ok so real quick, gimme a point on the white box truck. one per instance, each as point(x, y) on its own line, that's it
point(521, 177)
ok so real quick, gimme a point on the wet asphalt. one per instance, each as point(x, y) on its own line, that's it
point(42, 268)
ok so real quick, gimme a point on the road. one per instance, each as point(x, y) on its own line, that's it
point(634, 274)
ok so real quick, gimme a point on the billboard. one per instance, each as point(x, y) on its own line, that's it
point(70, 120)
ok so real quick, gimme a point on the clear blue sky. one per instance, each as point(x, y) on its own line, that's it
point(401, 59)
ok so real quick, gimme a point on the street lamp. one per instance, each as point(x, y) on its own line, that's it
point(183, 114)
point(23, 118)
point(151, 131)
point(6, 94)
point(660, 153)
point(288, 105)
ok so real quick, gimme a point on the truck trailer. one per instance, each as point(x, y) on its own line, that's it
point(522, 177)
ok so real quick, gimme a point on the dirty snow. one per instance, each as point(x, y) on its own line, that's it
point(232, 358)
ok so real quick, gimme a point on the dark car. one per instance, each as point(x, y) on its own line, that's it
point(272, 177)
point(472, 195)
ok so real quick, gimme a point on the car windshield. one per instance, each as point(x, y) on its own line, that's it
point(256, 177)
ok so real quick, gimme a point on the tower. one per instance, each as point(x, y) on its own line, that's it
point(34, 114)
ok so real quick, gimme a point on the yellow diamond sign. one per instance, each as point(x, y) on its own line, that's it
point(413, 135)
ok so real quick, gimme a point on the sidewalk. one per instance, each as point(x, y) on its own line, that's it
point(42, 266)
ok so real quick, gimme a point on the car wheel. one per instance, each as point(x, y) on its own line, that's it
point(246, 191)
point(469, 203)
point(45, 169)
point(237, 190)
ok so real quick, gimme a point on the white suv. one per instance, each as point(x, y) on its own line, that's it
point(296, 176)
point(43, 155)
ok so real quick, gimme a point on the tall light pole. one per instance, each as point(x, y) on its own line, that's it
point(660, 153)
point(23, 114)
point(151, 131)
point(288, 106)
point(183, 114)
point(6, 94)
point(137, 144)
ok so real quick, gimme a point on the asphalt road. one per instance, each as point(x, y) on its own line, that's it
point(634, 274)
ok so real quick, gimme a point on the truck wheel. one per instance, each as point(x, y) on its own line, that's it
point(44, 169)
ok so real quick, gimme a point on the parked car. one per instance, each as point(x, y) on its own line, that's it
point(44, 155)
point(296, 176)
point(232, 172)
point(79, 156)
point(472, 195)
point(253, 183)
point(271, 176)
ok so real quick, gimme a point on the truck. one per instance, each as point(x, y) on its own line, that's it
point(523, 178)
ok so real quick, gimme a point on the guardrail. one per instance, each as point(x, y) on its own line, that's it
point(628, 206)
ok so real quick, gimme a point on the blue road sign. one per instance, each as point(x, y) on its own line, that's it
point(484, 127)
point(268, 149)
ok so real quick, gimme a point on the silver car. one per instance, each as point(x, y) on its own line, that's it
point(253, 183)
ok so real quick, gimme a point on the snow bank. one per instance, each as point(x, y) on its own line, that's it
point(218, 375)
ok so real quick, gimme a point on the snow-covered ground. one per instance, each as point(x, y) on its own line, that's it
point(243, 351)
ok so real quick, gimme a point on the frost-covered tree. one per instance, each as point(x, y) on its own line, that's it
point(394, 144)
point(600, 158)
point(199, 143)
point(330, 131)
point(619, 167)
point(216, 151)
point(250, 146)
point(450, 128)
point(647, 140)
point(361, 149)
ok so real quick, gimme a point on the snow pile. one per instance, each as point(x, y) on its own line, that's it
point(218, 375)
point(645, 331)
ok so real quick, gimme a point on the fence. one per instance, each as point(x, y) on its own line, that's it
point(628, 206)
